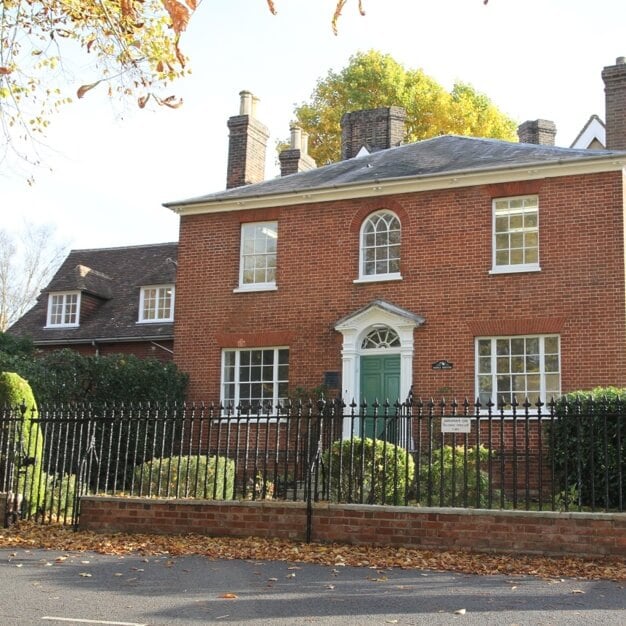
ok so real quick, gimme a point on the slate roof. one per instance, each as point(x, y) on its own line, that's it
point(114, 276)
point(444, 155)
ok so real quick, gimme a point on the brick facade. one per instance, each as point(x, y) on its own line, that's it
point(446, 258)
point(516, 532)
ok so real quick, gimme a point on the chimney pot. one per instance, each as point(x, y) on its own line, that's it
point(245, 103)
point(296, 137)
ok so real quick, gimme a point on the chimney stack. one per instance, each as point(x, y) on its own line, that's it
point(246, 145)
point(295, 158)
point(372, 129)
point(541, 132)
point(614, 77)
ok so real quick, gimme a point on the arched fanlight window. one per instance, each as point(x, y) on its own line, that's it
point(380, 246)
point(384, 337)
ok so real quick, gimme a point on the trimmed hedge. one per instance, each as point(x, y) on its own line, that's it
point(65, 376)
point(588, 448)
point(22, 440)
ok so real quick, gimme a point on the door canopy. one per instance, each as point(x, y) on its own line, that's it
point(379, 325)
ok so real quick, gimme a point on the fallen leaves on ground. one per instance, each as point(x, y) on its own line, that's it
point(63, 539)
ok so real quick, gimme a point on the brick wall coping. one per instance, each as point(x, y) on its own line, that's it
point(367, 508)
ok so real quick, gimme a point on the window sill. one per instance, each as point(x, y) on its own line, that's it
point(378, 278)
point(63, 326)
point(255, 288)
point(167, 321)
point(515, 269)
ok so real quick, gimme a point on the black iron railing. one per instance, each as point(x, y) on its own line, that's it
point(527, 456)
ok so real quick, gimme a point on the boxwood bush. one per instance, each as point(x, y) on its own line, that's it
point(368, 471)
point(211, 478)
point(454, 479)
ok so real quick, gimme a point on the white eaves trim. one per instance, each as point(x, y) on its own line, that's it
point(449, 180)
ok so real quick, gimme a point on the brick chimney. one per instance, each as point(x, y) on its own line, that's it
point(541, 132)
point(246, 145)
point(614, 77)
point(373, 129)
point(295, 158)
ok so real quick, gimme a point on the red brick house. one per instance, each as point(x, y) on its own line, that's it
point(108, 300)
point(453, 266)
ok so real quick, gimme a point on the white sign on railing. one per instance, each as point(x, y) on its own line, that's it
point(456, 425)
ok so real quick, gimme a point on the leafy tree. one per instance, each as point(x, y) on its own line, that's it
point(133, 46)
point(28, 261)
point(373, 79)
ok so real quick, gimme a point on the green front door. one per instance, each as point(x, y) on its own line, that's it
point(380, 380)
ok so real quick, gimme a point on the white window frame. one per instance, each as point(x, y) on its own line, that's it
point(544, 394)
point(270, 229)
point(501, 207)
point(236, 383)
point(383, 276)
point(159, 290)
point(65, 297)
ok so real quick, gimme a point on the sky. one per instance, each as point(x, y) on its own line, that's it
point(108, 169)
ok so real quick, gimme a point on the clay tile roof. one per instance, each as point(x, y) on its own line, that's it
point(111, 278)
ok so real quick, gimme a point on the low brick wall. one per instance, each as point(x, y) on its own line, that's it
point(521, 532)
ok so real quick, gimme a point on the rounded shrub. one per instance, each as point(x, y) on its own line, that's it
point(211, 478)
point(455, 478)
point(368, 471)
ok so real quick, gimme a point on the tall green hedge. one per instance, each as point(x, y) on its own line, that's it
point(65, 376)
point(23, 444)
point(588, 448)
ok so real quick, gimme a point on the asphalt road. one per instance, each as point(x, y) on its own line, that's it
point(56, 588)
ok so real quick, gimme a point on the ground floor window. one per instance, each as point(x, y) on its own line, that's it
point(255, 378)
point(520, 366)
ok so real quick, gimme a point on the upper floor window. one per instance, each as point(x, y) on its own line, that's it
point(520, 366)
point(257, 268)
point(380, 247)
point(255, 378)
point(63, 308)
point(516, 234)
point(156, 303)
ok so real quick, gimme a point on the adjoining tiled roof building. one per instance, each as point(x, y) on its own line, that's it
point(108, 300)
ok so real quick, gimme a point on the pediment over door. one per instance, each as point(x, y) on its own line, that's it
point(379, 312)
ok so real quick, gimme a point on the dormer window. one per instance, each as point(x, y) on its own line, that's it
point(156, 303)
point(63, 309)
